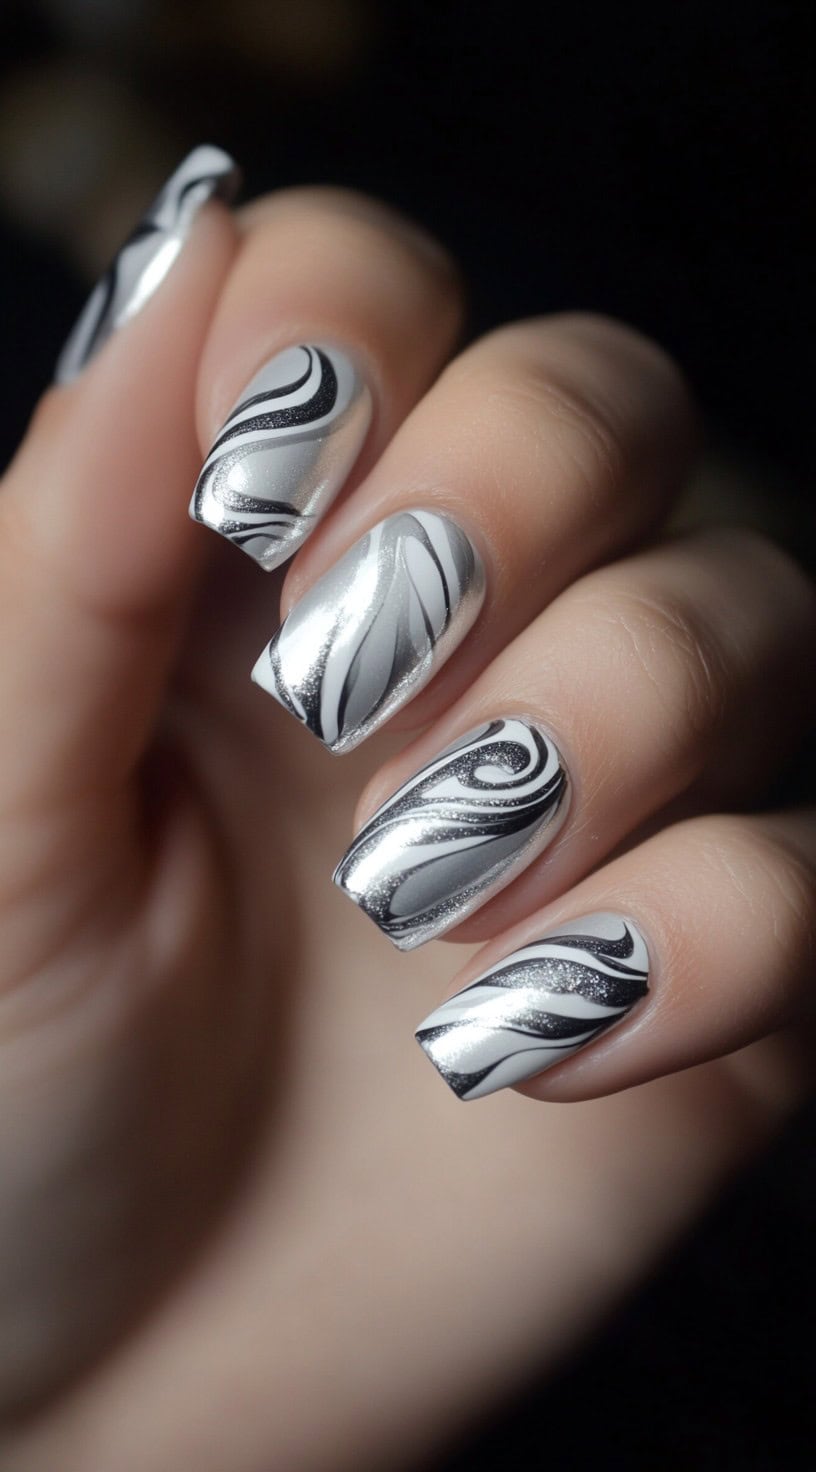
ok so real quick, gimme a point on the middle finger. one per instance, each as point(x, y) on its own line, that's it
point(633, 681)
point(542, 450)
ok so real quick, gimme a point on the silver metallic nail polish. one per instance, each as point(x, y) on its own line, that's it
point(375, 628)
point(148, 254)
point(538, 1005)
point(457, 832)
point(284, 452)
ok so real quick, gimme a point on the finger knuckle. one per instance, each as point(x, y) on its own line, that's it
point(774, 570)
point(608, 336)
point(677, 661)
point(772, 881)
point(573, 427)
point(367, 222)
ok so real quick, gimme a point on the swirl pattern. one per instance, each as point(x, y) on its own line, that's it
point(374, 629)
point(457, 832)
point(537, 1006)
point(147, 255)
point(283, 452)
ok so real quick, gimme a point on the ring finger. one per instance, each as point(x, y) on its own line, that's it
point(611, 704)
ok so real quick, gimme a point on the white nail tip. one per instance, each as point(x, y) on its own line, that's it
point(538, 1006)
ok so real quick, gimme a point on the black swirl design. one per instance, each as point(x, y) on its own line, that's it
point(147, 255)
point(268, 416)
point(457, 832)
point(283, 452)
point(375, 628)
point(538, 1006)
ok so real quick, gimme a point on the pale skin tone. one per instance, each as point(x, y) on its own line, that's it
point(243, 1224)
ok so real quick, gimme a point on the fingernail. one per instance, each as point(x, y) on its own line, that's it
point(375, 628)
point(538, 1006)
point(148, 254)
point(283, 452)
point(457, 832)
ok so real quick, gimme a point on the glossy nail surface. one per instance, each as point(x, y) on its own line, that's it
point(284, 452)
point(537, 1006)
point(457, 832)
point(375, 628)
point(148, 254)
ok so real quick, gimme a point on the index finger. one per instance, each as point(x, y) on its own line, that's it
point(337, 315)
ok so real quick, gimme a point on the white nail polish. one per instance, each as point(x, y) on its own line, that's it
point(538, 1006)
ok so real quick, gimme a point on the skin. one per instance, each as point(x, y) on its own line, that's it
point(243, 1226)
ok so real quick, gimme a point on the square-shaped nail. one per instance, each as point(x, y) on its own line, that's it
point(538, 1006)
point(284, 452)
point(147, 255)
point(457, 832)
point(376, 627)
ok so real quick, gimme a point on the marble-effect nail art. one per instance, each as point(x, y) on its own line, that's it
point(375, 628)
point(284, 452)
point(538, 1006)
point(457, 832)
point(148, 254)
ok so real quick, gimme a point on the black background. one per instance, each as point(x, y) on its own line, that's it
point(657, 165)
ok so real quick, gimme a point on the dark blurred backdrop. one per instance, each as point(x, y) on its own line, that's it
point(656, 164)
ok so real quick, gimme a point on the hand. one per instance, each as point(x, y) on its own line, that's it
point(244, 1224)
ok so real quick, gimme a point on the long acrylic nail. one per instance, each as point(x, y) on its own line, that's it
point(537, 1006)
point(457, 832)
point(148, 254)
point(375, 628)
point(284, 452)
